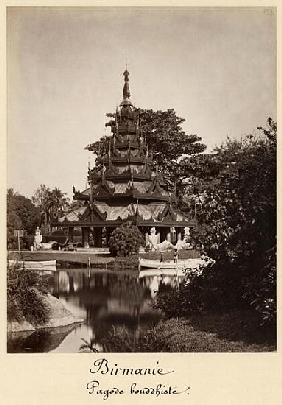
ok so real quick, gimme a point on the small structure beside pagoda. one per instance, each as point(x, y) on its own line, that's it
point(125, 189)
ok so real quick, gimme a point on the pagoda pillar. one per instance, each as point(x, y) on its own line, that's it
point(158, 237)
point(147, 238)
point(168, 236)
point(163, 233)
point(173, 235)
point(82, 236)
point(86, 237)
point(70, 233)
point(109, 232)
point(180, 233)
point(98, 237)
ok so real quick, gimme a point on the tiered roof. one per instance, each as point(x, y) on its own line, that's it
point(125, 188)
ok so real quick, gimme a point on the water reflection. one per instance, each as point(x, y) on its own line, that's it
point(103, 299)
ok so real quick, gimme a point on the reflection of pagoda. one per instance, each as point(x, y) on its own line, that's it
point(125, 189)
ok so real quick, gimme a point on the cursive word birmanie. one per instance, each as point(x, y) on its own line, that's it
point(102, 366)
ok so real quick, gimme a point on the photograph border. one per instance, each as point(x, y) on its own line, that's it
point(213, 378)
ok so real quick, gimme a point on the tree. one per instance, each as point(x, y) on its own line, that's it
point(166, 141)
point(21, 214)
point(41, 200)
point(239, 208)
point(51, 204)
point(238, 226)
point(59, 201)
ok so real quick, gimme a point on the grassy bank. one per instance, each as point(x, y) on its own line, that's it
point(229, 332)
point(212, 333)
point(71, 257)
point(82, 257)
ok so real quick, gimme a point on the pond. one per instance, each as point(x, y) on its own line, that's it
point(104, 299)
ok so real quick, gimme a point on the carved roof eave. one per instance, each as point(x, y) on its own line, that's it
point(92, 212)
point(111, 170)
point(131, 145)
point(103, 190)
point(168, 213)
point(155, 187)
point(129, 195)
point(154, 197)
point(121, 144)
point(166, 223)
point(127, 129)
point(80, 196)
point(126, 159)
point(140, 222)
point(127, 176)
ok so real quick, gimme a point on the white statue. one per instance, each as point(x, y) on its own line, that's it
point(164, 246)
point(37, 239)
point(187, 235)
point(153, 238)
point(180, 243)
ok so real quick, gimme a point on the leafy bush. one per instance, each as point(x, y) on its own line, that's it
point(226, 286)
point(21, 214)
point(125, 240)
point(24, 297)
point(237, 229)
point(176, 335)
point(238, 221)
point(217, 288)
point(260, 289)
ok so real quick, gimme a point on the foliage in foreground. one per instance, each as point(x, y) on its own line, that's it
point(175, 335)
point(238, 230)
point(125, 240)
point(24, 297)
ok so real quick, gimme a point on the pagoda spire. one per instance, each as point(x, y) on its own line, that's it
point(126, 91)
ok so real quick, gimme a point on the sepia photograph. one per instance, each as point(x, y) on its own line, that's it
point(141, 179)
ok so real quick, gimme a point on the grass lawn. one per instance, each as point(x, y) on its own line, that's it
point(96, 258)
point(70, 257)
point(79, 259)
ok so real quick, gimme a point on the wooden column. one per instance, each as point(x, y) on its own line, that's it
point(86, 237)
point(98, 237)
point(70, 233)
point(163, 233)
point(82, 236)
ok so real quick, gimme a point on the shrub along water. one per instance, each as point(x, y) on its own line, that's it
point(177, 335)
point(24, 297)
point(126, 240)
point(238, 230)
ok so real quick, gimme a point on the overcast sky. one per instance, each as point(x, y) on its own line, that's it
point(215, 67)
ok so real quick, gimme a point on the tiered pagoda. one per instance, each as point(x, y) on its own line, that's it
point(125, 189)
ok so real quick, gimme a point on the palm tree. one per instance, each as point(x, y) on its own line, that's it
point(58, 201)
point(51, 204)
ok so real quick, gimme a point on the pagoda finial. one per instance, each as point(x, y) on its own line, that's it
point(126, 92)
